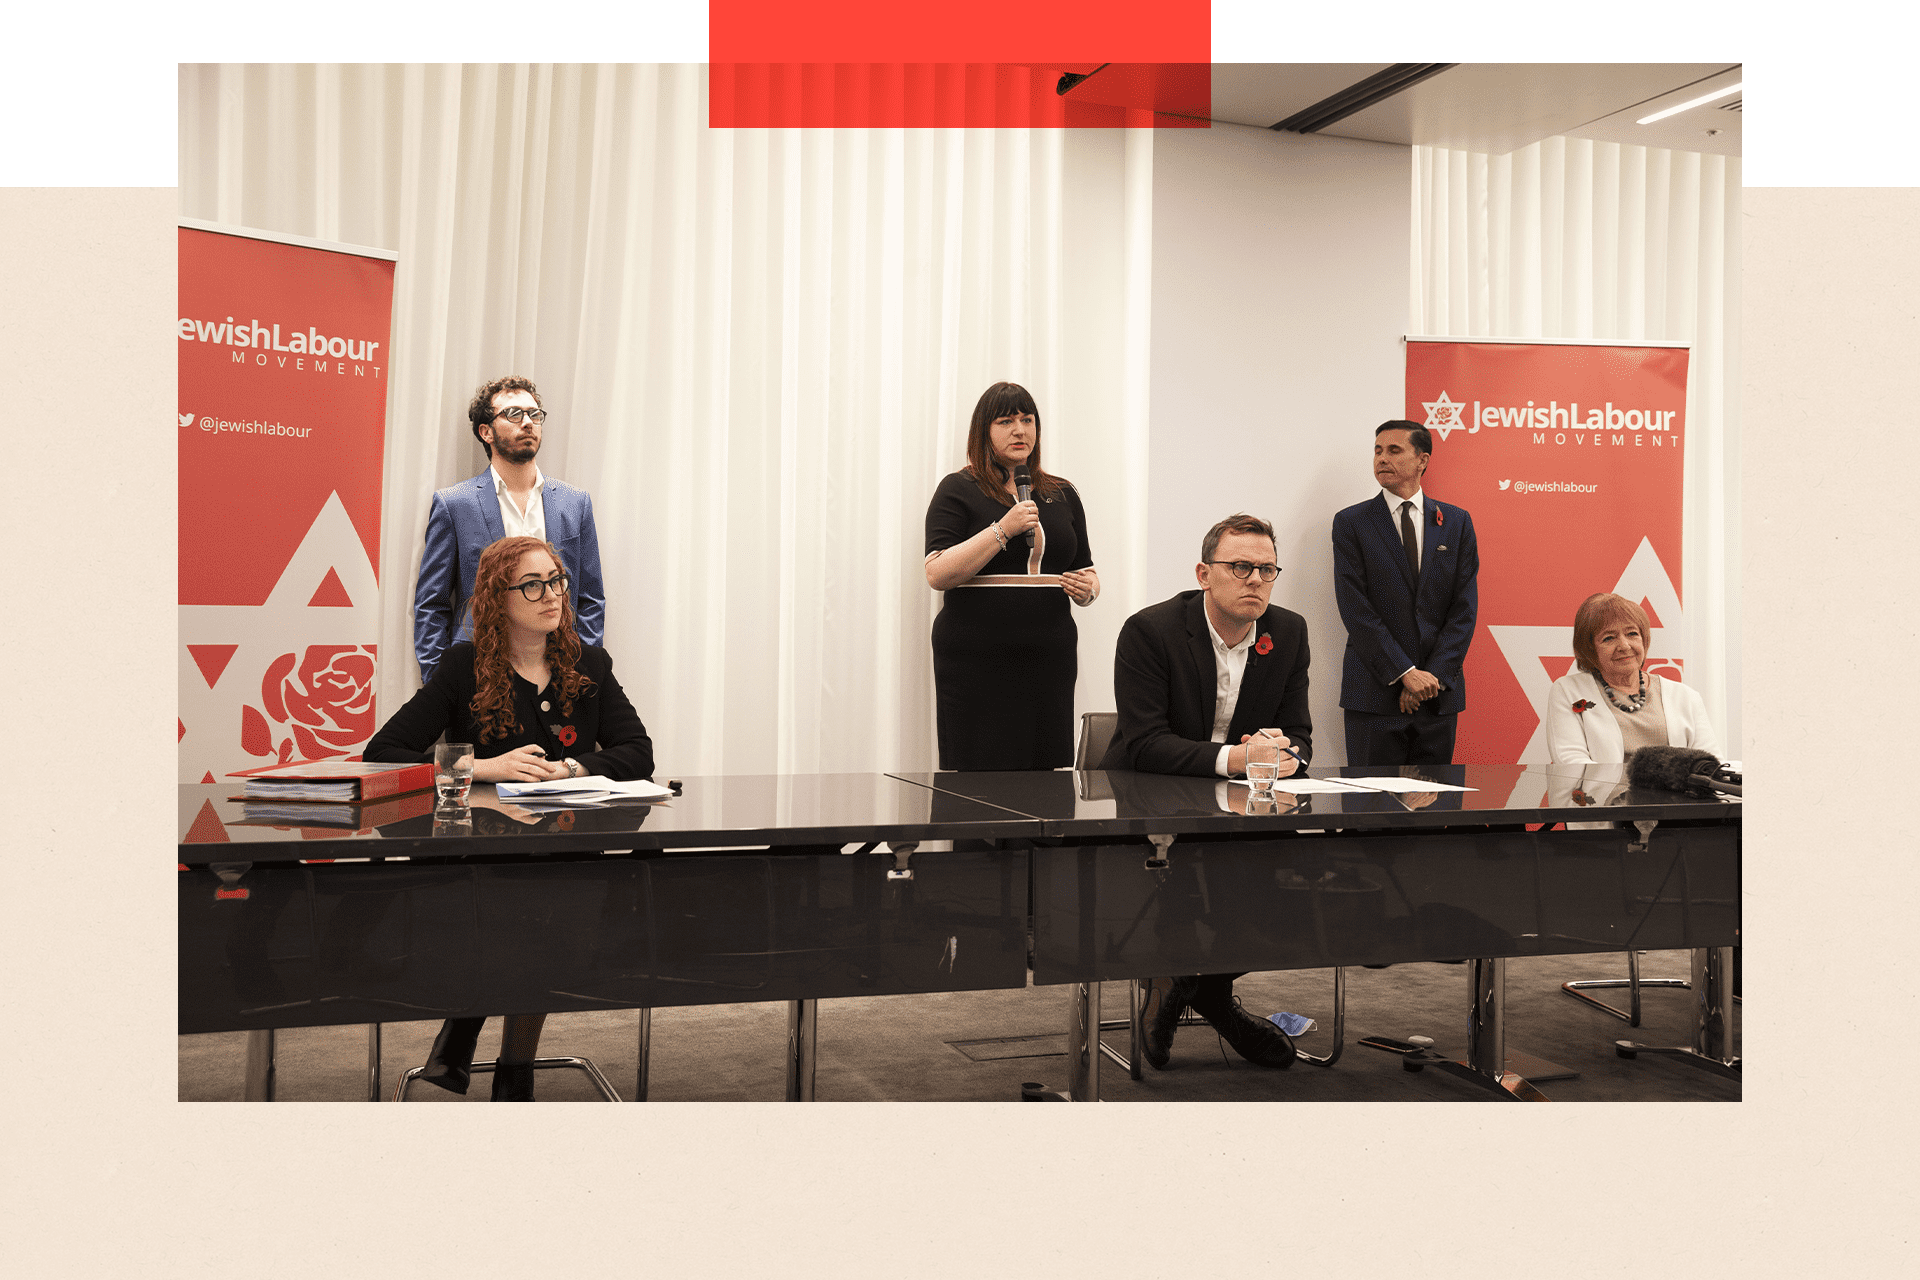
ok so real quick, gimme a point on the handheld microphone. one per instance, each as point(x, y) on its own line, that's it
point(1677, 769)
point(1023, 485)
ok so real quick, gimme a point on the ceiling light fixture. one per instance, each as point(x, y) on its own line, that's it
point(1689, 105)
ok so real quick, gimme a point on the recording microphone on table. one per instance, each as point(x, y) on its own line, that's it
point(1023, 484)
point(1681, 769)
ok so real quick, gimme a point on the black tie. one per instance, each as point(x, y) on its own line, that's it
point(1411, 539)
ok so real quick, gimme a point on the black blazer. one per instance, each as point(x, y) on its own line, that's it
point(1164, 687)
point(602, 716)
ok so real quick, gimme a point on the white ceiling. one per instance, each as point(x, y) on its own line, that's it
point(1498, 107)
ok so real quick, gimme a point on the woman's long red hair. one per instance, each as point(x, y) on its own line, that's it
point(492, 660)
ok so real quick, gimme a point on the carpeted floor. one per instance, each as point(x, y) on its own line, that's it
point(981, 1046)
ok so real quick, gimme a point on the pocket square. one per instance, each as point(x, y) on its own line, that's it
point(1443, 546)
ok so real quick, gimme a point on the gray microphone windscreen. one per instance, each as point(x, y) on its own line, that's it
point(1670, 768)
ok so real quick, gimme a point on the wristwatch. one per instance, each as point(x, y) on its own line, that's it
point(574, 770)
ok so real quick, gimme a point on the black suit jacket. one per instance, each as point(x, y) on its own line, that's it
point(1164, 687)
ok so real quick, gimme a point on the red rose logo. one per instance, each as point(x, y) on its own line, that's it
point(567, 735)
point(325, 707)
point(1580, 707)
point(1264, 645)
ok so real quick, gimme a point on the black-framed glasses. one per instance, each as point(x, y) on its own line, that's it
point(536, 590)
point(1242, 569)
point(514, 413)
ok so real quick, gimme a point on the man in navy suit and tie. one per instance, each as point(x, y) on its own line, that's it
point(509, 498)
point(1404, 569)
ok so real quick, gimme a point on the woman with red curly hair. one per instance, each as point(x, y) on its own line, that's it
point(537, 704)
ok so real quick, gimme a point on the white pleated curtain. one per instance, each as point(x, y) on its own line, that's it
point(759, 350)
point(1572, 239)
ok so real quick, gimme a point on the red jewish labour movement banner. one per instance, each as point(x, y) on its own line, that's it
point(1569, 456)
point(282, 417)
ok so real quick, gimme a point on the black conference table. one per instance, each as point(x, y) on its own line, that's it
point(738, 890)
point(511, 910)
point(1146, 874)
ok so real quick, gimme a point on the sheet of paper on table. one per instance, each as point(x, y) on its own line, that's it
point(1396, 783)
point(591, 789)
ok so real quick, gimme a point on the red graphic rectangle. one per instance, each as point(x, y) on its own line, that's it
point(986, 31)
point(958, 95)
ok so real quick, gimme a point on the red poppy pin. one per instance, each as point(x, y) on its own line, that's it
point(1439, 516)
point(1580, 707)
point(1264, 645)
point(566, 734)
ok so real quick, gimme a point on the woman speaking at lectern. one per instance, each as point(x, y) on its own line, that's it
point(1004, 641)
point(537, 705)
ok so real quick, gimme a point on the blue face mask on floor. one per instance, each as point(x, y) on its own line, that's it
point(1291, 1023)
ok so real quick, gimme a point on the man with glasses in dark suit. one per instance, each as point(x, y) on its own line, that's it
point(509, 498)
point(1195, 678)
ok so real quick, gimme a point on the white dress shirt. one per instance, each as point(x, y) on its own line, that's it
point(1419, 501)
point(532, 523)
point(1229, 665)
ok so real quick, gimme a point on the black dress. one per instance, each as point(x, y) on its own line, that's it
point(1004, 643)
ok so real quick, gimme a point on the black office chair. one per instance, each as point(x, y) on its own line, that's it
point(1096, 735)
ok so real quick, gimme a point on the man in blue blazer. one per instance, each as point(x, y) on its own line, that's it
point(509, 497)
point(1404, 570)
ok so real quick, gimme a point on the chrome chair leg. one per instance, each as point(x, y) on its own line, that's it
point(594, 1076)
point(261, 1069)
point(1712, 1047)
point(1632, 982)
point(1339, 1023)
point(373, 1062)
point(646, 1048)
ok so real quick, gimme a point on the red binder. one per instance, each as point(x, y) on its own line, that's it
point(370, 781)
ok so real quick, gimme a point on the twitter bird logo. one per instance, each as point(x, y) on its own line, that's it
point(186, 420)
point(1504, 484)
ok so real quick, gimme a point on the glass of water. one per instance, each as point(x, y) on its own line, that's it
point(453, 771)
point(1263, 766)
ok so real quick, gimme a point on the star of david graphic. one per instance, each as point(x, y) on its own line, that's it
point(327, 595)
point(1443, 415)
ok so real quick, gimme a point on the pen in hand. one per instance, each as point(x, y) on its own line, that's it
point(1288, 749)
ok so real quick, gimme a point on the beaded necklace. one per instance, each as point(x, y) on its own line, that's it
point(1632, 704)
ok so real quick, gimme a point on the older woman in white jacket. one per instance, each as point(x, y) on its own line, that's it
point(1608, 705)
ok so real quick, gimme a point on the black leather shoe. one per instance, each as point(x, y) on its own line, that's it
point(513, 1082)
point(1166, 1000)
point(450, 1064)
point(1255, 1039)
